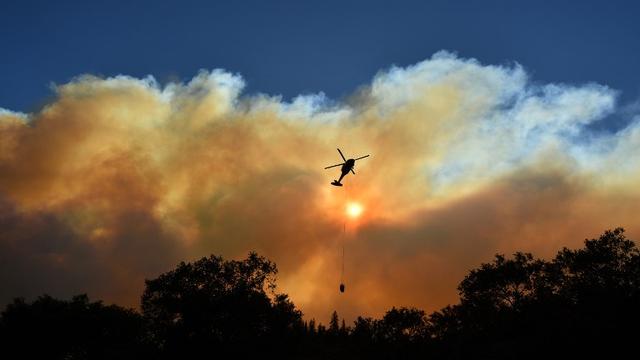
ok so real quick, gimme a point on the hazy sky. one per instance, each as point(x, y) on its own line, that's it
point(135, 137)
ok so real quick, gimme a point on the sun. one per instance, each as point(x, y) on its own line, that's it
point(354, 210)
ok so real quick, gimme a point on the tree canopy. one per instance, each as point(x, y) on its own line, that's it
point(581, 303)
point(229, 305)
point(49, 328)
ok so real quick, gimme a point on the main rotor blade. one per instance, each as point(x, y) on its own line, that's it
point(353, 171)
point(361, 157)
point(345, 160)
point(329, 167)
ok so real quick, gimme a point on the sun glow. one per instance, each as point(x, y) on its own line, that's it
point(354, 210)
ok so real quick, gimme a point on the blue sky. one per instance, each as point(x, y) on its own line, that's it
point(297, 47)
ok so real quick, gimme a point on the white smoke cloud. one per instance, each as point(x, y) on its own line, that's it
point(467, 159)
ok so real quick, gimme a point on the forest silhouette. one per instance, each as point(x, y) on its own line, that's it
point(581, 303)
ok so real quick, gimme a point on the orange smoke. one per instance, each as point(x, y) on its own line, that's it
point(116, 180)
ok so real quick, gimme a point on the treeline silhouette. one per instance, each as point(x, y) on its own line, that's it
point(581, 303)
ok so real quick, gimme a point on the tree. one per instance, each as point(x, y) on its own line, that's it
point(334, 323)
point(59, 329)
point(583, 302)
point(363, 330)
point(401, 325)
point(605, 265)
point(312, 327)
point(214, 303)
point(502, 283)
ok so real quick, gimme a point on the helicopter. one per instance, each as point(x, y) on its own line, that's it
point(347, 166)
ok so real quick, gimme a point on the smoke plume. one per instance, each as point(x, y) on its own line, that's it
point(118, 179)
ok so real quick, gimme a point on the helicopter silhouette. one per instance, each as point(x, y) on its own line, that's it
point(347, 166)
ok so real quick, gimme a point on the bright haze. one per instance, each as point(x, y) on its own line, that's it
point(486, 137)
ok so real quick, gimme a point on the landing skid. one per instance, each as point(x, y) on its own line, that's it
point(336, 183)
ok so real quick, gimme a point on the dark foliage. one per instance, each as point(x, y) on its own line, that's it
point(227, 305)
point(583, 303)
point(78, 329)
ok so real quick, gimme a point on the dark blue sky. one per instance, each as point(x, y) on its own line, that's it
point(293, 47)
